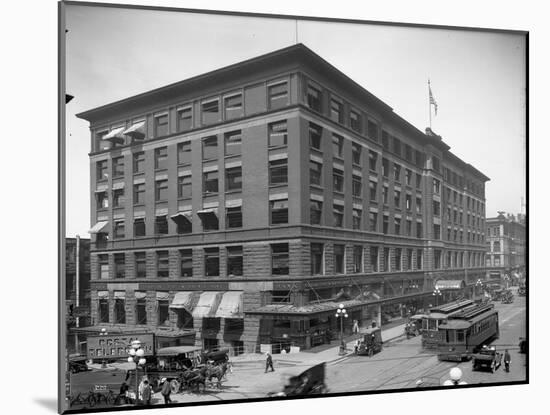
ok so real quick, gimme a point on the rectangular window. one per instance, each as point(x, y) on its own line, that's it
point(409, 227)
point(279, 259)
point(141, 264)
point(339, 259)
point(139, 227)
point(437, 186)
point(408, 177)
point(435, 163)
point(315, 212)
point(161, 125)
point(162, 264)
point(141, 311)
point(277, 95)
point(139, 194)
point(374, 258)
point(419, 205)
point(161, 158)
point(185, 119)
point(338, 215)
point(437, 231)
point(315, 173)
point(408, 202)
point(118, 198)
point(357, 214)
point(210, 148)
point(437, 259)
point(212, 262)
point(184, 152)
point(385, 224)
point(278, 210)
point(398, 253)
point(357, 259)
point(397, 198)
point(385, 167)
point(385, 140)
point(357, 187)
point(372, 130)
point(316, 259)
point(355, 121)
point(315, 134)
point(277, 134)
point(161, 225)
point(234, 261)
point(103, 265)
point(408, 152)
point(397, 226)
point(419, 259)
point(161, 190)
point(233, 143)
point(436, 208)
point(184, 187)
point(233, 106)
point(278, 172)
point(386, 263)
point(337, 145)
point(233, 179)
point(138, 162)
point(397, 172)
point(373, 221)
point(385, 193)
point(118, 166)
point(396, 146)
point(373, 156)
point(102, 200)
point(103, 310)
point(120, 265)
point(119, 229)
point(336, 111)
point(101, 170)
point(210, 221)
point(419, 230)
point(338, 180)
point(210, 182)
point(356, 153)
point(314, 98)
point(418, 180)
point(210, 112)
point(234, 217)
point(164, 317)
point(186, 262)
point(373, 190)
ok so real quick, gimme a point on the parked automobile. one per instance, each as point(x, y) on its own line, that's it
point(487, 358)
point(78, 364)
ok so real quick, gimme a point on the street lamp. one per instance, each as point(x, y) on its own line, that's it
point(436, 293)
point(341, 313)
point(136, 356)
point(103, 332)
point(455, 374)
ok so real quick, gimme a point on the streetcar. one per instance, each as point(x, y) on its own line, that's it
point(437, 316)
point(464, 333)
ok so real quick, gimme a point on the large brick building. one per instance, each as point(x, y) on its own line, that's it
point(243, 205)
point(505, 259)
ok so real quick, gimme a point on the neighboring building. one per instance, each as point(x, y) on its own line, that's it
point(77, 288)
point(245, 204)
point(505, 257)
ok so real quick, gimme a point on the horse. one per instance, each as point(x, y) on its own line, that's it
point(216, 371)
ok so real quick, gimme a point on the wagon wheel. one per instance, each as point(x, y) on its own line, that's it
point(371, 352)
point(92, 400)
point(200, 387)
point(493, 367)
point(175, 386)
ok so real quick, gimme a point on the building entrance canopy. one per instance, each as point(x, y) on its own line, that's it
point(450, 284)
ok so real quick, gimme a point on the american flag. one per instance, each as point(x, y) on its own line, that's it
point(432, 100)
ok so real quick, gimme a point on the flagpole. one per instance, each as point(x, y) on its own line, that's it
point(429, 104)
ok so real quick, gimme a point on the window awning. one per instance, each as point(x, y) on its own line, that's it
point(231, 305)
point(136, 131)
point(188, 215)
point(115, 135)
point(118, 185)
point(162, 295)
point(183, 300)
point(99, 227)
point(206, 306)
point(140, 294)
point(103, 294)
point(450, 284)
point(204, 212)
point(120, 294)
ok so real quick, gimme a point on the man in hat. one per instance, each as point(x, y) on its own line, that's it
point(165, 390)
point(268, 362)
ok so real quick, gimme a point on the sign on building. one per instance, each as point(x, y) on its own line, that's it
point(115, 346)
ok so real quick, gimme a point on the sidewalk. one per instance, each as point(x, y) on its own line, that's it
point(324, 353)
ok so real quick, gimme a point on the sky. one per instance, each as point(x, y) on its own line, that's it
point(477, 78)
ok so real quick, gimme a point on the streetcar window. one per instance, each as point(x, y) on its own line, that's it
point(460, 336)
point(432, 325)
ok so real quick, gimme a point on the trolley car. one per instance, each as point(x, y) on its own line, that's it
point(465, 332)
point(437, 316)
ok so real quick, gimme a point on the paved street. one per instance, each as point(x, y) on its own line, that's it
point(400, 365)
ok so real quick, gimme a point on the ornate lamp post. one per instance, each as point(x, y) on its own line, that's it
point(455, 378)
point(136, 356)
point(341, 313)
point(436, 293)
point(103, 332)
point(479, 286)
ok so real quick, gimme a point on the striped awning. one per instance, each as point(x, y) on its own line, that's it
point(450, 284)
point(99, 227)
point(183, 300)
point(136, 130)
point(231, 305)
point(208, 302)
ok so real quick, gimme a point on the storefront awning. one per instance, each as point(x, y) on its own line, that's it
point(175, 350)
point(115, 135)
point(206, 306)
point(99, 227)
point(450, 284)
point(183, 300)
point(136, 131)
point(231, 305)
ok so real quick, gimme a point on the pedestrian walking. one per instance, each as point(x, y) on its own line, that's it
point(165, 391)
point(356, 347)
point(123, 393)
point(507, 360)
point(146, 393)
point(268, 362)
point(355, 327)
